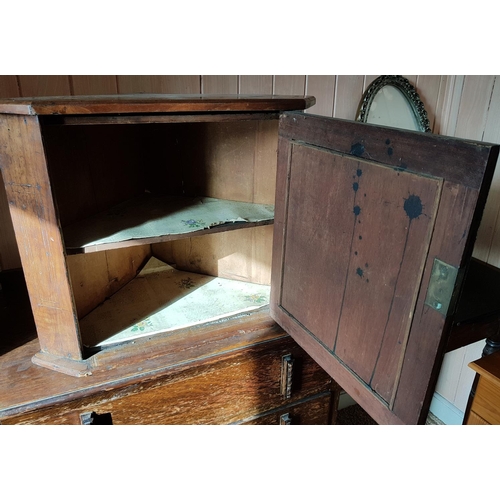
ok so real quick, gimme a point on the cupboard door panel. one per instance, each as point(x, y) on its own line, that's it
point(362, 214)
point(368, 228)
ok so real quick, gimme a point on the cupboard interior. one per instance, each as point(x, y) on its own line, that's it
point(95, 167)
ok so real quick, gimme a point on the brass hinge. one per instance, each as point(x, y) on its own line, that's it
point(441, 286)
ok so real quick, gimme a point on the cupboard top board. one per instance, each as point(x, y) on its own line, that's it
point(152, 103)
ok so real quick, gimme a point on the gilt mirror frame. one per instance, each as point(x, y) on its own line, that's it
point(407, 90)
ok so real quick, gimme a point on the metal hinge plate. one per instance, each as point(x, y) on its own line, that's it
point(441, 286)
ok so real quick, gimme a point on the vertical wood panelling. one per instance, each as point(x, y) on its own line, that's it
point(447, 105)
point(471, 123)
point(46, 85)
point(225, 84)
point(254, 84)
point(323, 88)
point(154, 84)
point(289, 85)
point(94, 85)
point(368, 80)
point(428, 87)
point(474, 104)
point(489, 231)
point(412, 78)
point(348, 94)
point(9, 86)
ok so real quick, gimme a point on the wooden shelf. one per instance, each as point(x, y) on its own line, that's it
point(154, 219)
point(163, 299)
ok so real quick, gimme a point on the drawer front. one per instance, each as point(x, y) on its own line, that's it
point(256, 380)
point(486, 403)
point(318, 410)
point(475, 419)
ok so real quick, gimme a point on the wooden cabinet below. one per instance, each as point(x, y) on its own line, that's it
point(244, 370)
point(485, 407)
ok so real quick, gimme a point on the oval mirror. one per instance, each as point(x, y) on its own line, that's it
point(394, 102)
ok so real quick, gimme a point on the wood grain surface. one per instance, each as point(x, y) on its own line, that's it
point(397, 361)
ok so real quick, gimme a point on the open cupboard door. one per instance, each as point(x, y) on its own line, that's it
point(374, 229)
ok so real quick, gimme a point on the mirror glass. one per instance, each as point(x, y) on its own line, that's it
point(394, 102)
point(390, 107)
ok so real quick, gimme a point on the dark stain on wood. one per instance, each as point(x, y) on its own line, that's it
point(413, 207)
point(357, 149)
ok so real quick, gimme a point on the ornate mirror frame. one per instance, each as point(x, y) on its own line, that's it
point(409, 93)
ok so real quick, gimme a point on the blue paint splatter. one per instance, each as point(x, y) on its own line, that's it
point(359, 172)
point(390, 151)
point(357, 210)
point(357, 149)
point(359, 272)
point(355, 186)
point(413, 206)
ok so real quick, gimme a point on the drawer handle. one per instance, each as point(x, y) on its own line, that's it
point(286, 376)
point(93, 418)
point(286, 419)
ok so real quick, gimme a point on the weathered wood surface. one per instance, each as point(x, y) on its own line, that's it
point(154, 118)
point(439, 186)
point(316, 410)
point(368, 141)
point(151, 103)
point(38, 234)
point(93, 168)
point(216, 392)
point(222, 374)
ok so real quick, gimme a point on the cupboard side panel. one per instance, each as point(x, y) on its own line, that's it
point(97, 276)
point(235, 161)
point(38, 234)
point(9, 254)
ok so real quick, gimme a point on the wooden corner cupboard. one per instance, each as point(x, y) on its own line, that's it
point(153, 225)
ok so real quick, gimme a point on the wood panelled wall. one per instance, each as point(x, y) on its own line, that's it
point(336, 96)
point(461, 106)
